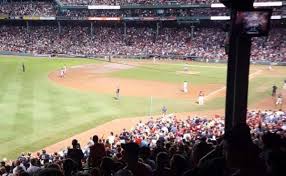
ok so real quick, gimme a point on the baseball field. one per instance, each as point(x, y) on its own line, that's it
point(38, 108)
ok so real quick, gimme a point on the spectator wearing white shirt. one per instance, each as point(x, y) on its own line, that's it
point(111, 138)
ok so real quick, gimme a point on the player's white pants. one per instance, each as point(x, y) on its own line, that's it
point(185, 89)
point(201, 100)
point(61, 73)
point(279, 101)
point(284, 86)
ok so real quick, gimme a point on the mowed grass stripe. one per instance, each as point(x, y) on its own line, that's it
point(9, 87)
point(25, 105)
point(22, 107)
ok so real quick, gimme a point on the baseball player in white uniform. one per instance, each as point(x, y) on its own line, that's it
point(185, 87)
point(201, 98)
point(154, 60)
point(65, 69)
point(117, 92)
point(279, 100)
point(62, 73)
point(186, 68)
point(284, 86)
point(270, 66)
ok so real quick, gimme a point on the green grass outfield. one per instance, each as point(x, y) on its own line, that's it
point(36, 112)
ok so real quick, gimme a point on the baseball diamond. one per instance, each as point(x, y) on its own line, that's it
point(49, 108)
point(142, 88)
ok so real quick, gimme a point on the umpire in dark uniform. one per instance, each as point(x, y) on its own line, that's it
point(274, 90)
point(117, 93)
point(23, 67)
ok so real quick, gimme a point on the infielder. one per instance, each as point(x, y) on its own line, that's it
point(62, 73)
point(65, 69)
point(117, 93)
point(186, 68)
point(270, 67)
point(154, 60)
point(23, 67)
point(185, 87)
point(274, 90)
point(201, 98)
point(279, 100)
point(284, 86)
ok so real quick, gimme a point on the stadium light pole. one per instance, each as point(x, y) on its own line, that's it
point(237, 69)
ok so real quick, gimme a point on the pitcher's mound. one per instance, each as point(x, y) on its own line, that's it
point(187, 72)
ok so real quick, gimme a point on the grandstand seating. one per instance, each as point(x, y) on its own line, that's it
point(33, 8)
point(49, 8)
point(145, 2)
point(138, 41)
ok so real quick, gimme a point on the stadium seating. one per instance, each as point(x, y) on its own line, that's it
point(145, 13)
point(49, 8)
point(33, 8)
point(206, 42)
point(145, 2)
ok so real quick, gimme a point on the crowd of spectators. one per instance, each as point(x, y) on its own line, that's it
point(49, 8)
point(272, 47)
point(206, 43)
point(159, 12)
point(147, 13)
point(170, 146)
point(31, 8)
point(142, 2)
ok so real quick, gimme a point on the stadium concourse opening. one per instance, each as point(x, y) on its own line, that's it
point(174, 88)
